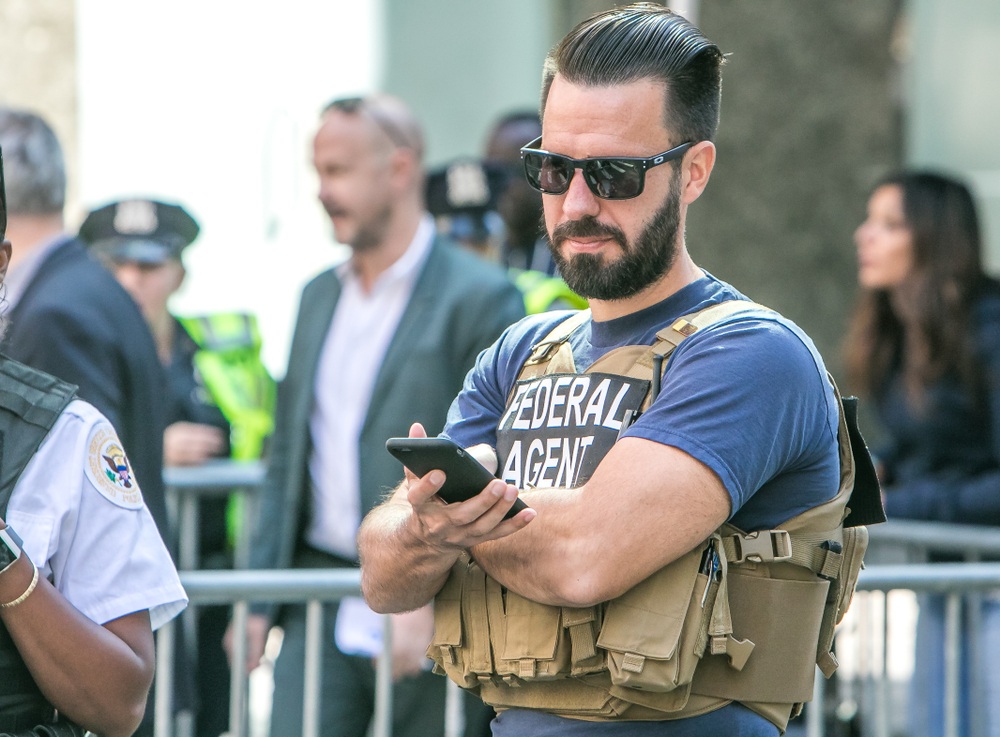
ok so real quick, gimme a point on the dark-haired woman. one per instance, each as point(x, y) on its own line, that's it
point(924, 345)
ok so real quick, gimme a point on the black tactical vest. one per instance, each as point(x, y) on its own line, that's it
point(30, 404)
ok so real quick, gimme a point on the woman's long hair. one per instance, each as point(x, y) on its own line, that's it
point(921, 328)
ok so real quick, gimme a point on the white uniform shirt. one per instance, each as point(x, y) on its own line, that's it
point(362, 327)
point(86, 528)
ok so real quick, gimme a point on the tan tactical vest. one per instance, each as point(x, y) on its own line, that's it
point(743, 617)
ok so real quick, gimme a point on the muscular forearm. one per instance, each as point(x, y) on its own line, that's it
point(549, 561)
point(409, 543)
point(399, 571)
point(88, 672)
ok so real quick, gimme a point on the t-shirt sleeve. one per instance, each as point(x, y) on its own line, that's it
point(748, 398)
point(476, 411)
point(102, 548)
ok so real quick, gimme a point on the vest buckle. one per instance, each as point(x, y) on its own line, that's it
point(542, 352)
point(762, 546)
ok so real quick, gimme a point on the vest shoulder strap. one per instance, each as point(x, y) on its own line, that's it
point(553, 353)
point(30, 403)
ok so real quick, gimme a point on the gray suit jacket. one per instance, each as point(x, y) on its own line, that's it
point(460, 304)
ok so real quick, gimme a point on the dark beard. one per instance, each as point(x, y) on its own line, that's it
point(641, 264)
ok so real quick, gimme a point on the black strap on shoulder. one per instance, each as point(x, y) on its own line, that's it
point(30, 403)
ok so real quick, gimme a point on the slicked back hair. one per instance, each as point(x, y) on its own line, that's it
point(36, 170)
point(646, 41)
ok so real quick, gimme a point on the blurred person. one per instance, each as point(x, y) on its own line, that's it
point(220, 394)
point(464, 196)
point(525, 245)
point(68, 316)
point(684, 456)
point(386, 336)
point(85, 577)
point(924, 344)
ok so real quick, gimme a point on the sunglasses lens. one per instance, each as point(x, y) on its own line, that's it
point(548, 173)
point(614, 179)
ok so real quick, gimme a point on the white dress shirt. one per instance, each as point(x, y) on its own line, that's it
point(362, 327)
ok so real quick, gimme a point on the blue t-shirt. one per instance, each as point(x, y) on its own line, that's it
point(748, 397)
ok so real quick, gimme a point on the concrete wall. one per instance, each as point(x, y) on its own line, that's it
point(38, 66)
point(810, 117)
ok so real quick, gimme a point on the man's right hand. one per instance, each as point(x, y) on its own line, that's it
point(257, 629)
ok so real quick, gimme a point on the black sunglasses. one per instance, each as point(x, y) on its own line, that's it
point(614, 178)
point(362, 106)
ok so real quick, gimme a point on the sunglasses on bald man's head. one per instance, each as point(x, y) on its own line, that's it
point(363, 106)
point(610, 178)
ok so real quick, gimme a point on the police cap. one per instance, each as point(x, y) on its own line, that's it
point(140, 230)
point(465, 186)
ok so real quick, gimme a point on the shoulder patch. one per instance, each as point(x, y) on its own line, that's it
point(109, 469)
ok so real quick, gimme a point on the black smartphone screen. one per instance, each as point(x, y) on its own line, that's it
point(465, 476)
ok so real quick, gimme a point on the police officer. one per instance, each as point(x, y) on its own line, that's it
point(223, 395)
point(84, 576)
point(220, 393)
point(683, 455)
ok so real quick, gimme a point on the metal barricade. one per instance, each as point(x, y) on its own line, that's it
point(896, 561)
point(187, 486)
point(314, 587)
point(882, 620)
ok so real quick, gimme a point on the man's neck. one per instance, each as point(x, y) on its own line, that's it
point(372, 262)
point(162, 326)
point(27, 233)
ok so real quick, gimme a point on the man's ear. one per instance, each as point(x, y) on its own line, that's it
point(4, 259)
point(698, 164)
point(405, 167)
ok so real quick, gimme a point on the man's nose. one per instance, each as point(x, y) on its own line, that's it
point(578, 200)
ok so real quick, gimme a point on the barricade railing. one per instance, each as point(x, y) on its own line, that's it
point(896, 561)
point(312, 587)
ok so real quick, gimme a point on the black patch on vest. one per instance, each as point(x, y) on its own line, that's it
point(557, 428)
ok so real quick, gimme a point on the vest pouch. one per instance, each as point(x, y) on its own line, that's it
point(654, 634)
point(460, 647)
point(782, 618)
point(538, 642)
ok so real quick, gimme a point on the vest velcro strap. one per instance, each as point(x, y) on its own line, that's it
point(633, 662)
point(830, 559)
point(761, 546)
point(527, 668)
point(448, 654)
point(581, 632)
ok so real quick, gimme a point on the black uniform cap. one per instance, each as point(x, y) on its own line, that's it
point(141, 230)
point(465, 186)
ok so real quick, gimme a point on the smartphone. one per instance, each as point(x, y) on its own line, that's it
point(465, 476)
